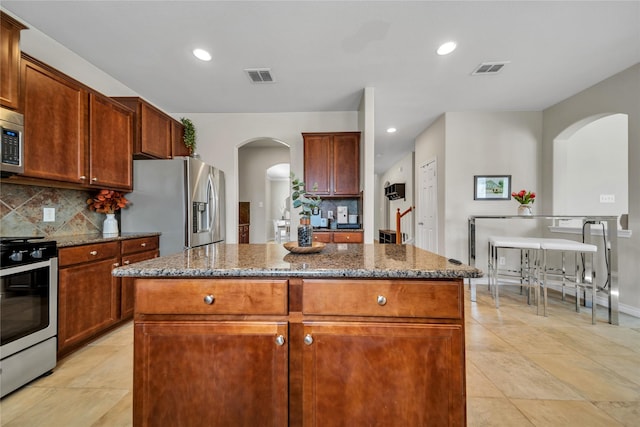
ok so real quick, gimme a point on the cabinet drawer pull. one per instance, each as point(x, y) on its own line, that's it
point(209, 299)
point(382, 300)
point(143, 244)
point(94, 253)
point(308, 339)
point(126, 262)
point(116, 264)
point(94, 179)
point(280, 340)
point(82, 178)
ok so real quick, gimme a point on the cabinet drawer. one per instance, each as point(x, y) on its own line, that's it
point(406, 298)
point(87, 253)
point(230, 296)
point(139, 245)
point(323, 237)
point(346, 237)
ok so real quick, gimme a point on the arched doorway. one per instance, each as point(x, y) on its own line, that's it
point(260, 189)
point(590, 167)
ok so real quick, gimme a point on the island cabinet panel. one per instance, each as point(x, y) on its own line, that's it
point(211, 373)
point(338, 236)
point(332, 162)
point(383, 374)
point(87, 294)
point(223, 296)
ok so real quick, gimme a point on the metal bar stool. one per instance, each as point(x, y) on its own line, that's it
point(526, 274)
point(581, 279)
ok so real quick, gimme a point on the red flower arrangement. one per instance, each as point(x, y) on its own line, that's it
point(107, 201)
point(524, 197)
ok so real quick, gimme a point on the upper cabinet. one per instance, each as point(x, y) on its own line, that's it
point(332, 162)
point(10, 61)
point(156, 135)
point(73, 134)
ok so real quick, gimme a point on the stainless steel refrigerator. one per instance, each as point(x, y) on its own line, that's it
point(183, 198)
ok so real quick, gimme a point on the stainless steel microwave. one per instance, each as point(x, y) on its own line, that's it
point(12, 128)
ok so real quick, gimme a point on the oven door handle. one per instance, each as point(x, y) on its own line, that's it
point(27, 267)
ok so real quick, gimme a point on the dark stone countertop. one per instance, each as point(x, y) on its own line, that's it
point(273, 260)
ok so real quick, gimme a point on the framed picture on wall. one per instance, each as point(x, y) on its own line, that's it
point(492, 187)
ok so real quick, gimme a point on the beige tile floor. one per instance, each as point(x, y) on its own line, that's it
point(522, 370)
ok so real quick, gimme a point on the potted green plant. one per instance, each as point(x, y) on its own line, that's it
point(307, 203)
point(189, 137)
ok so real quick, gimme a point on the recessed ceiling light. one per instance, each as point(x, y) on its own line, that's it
point(202, 54)
point(391, 130)
point(446, 48)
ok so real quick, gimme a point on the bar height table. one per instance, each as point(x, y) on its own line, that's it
point(611, 237)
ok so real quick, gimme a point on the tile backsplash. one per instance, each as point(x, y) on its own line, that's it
point(21, 211)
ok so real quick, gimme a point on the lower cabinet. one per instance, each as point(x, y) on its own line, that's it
point(211, 373)
point(90, 299)
point(243, 233)
point(87, 293)
point(386, 352)
point(132, 251)
point(338, 236)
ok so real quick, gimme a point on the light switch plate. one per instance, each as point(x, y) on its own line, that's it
point(607, 198)
point(49, 214)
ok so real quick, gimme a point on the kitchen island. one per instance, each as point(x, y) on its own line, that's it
point(254, 335)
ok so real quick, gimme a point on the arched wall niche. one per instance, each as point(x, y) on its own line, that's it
point(590, 167)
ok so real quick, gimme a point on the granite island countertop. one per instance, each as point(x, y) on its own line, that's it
point(273, 260)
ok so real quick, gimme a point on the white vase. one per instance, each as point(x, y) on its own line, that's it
point(524, 210)
point(110, 226)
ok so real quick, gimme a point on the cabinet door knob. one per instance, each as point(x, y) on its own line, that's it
point(127, 262)
point(143, 244)
point(280, 340)
point(382, 300)
point(94, 253)
point(209, 299)
point(83, 177)
point(94, 179)
point(116, 264)
point(308, 339)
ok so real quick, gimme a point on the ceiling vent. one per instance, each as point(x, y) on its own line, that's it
point(489, 68)
point(260, 75)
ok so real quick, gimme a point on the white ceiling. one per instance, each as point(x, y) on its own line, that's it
point(324, 53)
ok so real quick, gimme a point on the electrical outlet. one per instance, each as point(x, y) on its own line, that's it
point(502, 261)
point(48, 214)
point(607, 198)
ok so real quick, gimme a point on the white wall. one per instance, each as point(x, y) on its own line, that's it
point(429, 146)
point(468, 144)
point(591, 162)
point(401, 172)
point(254, 187)
point(617, 94)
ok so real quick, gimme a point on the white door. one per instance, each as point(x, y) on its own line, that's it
point(428, 207)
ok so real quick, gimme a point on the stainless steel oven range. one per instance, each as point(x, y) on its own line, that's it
point(28, 310)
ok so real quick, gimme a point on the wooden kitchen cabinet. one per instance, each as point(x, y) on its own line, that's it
point(10, 61)
point(231, 370)
point(243, 233)
point(87, 293)
point(75, 135)
point(332, 161)
point(132, 251)
point(177, 140)
point(299, 352)
point(338, 236)
point(153, 134)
